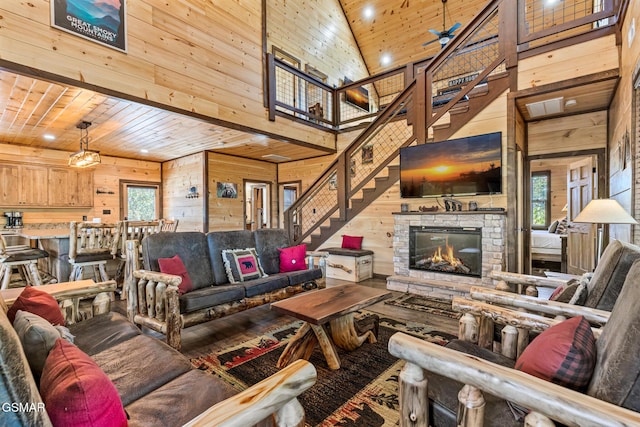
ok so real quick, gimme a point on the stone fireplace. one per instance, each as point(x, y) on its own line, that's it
point(445, 253)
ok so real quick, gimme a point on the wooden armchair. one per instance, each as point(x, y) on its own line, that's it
point(446, 386)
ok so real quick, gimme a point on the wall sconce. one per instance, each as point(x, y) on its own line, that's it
point(193, 193)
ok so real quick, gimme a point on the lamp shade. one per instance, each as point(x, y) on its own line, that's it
point(604, 211)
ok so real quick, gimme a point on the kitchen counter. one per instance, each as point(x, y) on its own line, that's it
point(44, 233)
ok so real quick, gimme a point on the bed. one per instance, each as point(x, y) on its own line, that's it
point(546, 246)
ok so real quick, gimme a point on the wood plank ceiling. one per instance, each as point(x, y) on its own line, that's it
point(31, 108)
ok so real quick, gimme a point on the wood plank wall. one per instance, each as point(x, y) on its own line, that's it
point(318, 34)
point(568, 63)
point(376, 221)
point(106, 178)
point(177, 177)
point(229, 214)
point(622, 119)
point(200, 57)
point(568, 134)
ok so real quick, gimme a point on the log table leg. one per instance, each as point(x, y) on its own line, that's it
point(327, 346)
point(343, 332)
point(299, 347)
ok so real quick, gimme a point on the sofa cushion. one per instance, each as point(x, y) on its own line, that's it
point(351, 242)
point(293, 258)
point(242, 265)
point(218, 241)
point(102, 332)
point(37, 336)
point(208, 297)
point(139, 365)
point(616, 377)
point(604, 287)
point(16, 381)
point(37, 302)
point(174, 394)
point(174, 265)
point(190, 246)
point(265, 284)
point(303, 276)
point(564, 354)
point(76, 392)
point(268, 240)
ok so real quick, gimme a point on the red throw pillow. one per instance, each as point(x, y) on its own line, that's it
point(76, 392)
point(293, 258)
point(176, 267)
point(351, 242)
point(564, 354)
point(37, 302)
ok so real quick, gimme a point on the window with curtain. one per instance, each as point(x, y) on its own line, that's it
point(540, 199)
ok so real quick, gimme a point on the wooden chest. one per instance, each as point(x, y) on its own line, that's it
point(349, 264)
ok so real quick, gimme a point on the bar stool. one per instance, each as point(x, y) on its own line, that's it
point(24, 260)
point(91, 245)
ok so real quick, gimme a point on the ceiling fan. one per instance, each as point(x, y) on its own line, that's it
point(445, 35)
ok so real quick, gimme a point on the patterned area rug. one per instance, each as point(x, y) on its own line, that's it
point(439, 306)
point(363, 392)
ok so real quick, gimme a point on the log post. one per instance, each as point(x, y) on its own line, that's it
point(485, 332)
point(470, 407)
point(101, 303)
point(531, 291)
point(510, 342)
point(150, 292)
point(174, 319)
point(129, 287)
point(523, 340)
point(414, 401)
point(503, 286)
point(142, 297)
point(468, 328)
point(536, 419)
point(290, 415)
point(160, 301)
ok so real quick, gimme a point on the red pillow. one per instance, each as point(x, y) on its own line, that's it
point(564, 354)
point(351, 242)
point(176, 267)
point(293, 258)
point(76, 392)
point(37, 302)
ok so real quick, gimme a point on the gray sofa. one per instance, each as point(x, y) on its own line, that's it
point(154, 382)
point(154, 300)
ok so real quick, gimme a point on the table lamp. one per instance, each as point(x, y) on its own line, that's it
point(604, 211)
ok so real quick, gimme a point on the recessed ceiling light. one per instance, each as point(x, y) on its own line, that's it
point(385, 59)
point(368, 12)
point(144, 150)
point(49, 137)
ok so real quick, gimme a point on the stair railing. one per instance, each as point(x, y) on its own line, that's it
point(470, 58)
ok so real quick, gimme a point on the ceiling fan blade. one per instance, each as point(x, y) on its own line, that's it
point(434, 32)
point(429, 42)
point(455, 27)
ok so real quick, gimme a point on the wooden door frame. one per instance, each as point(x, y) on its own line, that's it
point(603, 190)
point(269, 192)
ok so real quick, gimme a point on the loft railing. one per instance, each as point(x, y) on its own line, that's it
point(467, 62)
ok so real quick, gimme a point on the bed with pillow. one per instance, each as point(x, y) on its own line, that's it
point(546, 245)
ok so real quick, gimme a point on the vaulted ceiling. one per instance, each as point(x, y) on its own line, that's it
point(31, 108)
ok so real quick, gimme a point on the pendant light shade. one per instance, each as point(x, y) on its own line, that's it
point(85, 157)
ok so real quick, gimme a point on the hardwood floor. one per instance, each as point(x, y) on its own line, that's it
point(236, 328)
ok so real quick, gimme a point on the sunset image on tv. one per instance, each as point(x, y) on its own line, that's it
point(456, 167)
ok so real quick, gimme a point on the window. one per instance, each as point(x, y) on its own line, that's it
point(540, 199)
point(140, 201)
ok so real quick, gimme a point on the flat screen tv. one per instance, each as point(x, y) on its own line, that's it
point(457, 167)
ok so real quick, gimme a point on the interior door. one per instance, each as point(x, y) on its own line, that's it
point(257, 207)
point(581, 179)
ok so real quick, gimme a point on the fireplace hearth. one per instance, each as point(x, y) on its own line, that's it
point(449, 250)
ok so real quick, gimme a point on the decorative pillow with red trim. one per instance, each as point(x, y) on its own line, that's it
point(37, 302)
point(293, 258)
point(351, 242)
point(76, 392)
point(564, 354)
point(176, 267)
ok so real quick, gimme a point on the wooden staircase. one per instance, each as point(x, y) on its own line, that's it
point(340, 193)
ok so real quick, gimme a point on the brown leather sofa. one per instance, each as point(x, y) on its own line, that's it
point(155, 382)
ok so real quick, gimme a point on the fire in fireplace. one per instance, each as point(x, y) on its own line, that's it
point(451, 250)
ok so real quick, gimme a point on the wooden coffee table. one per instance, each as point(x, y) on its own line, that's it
point(334, 306)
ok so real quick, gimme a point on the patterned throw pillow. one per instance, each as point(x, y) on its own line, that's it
point(562, 226)
point(564, 354)
point(242, 265)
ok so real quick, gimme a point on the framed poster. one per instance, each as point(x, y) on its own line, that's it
point(227, 190)
point(357, 96)
point(101, 21)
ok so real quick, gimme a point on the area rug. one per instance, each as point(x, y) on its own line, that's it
point(439, 306)
point(363, 392)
